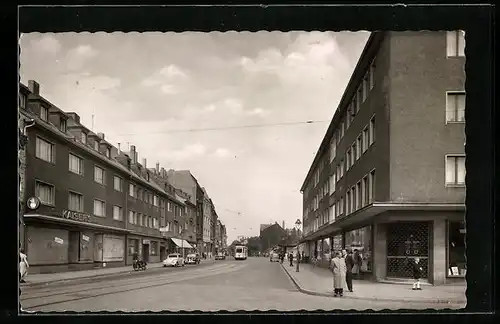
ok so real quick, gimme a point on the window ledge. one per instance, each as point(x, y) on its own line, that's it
point(457, 276)
point(455, 186)
point(453, 122)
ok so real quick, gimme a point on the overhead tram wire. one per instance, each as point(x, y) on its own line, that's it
point(227, 128)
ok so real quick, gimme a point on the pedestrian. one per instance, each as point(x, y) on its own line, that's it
point(291, 259)
point(357, 263)
point(417, 270)
point(344, 253)
point(349, 263)
point(339, 274)
point(23, 265)
point(298, 261)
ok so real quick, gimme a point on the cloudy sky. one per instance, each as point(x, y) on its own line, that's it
point(182, 97)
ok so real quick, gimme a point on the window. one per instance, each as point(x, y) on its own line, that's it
point(455, 106)
point(455, 43)
point(22, 101)
point(455, 170)
point(75, 202)
point(118, 183)
point(358, 195)
point(150, 221)
point(45, 150)
point(44, 113)
point(359, 146)
point(154, 248)
point(45, 192)
point(75, 164)
point(348, 201)
point(360, 99)
point(131, 190)
point(147, 176)
point(96, 145)
point(366, 139)
point(348, 159)
point(83, 137)
point(169, 206)
point(342, 129)
point(108, 152)
point(99, 175)
point(457, 264)
point(133, 246)
point(62, 125)
point(366, 193)
point(341, 168)
point(99, 208)
point(139, 219)
point(353, 199)
point(372, 75)
point(372, 130)
point(132, 217)
point(117, 213)
point(341, 205)
point(371, 187)
point(366, 86)
point(354, 153)
point(349, 114)
point(331, 213)
point(331, 184)
point(155, 223)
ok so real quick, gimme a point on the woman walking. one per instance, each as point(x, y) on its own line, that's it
point(23, 266)
point(339, 274)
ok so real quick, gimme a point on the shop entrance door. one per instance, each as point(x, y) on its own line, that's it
point(162, 253)
point(405, 241)
point(145, 252)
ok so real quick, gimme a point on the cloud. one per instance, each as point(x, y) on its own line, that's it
point(168, 74)
point(46, 44)
point(77, 57)
point(169, 89)
point(189, 152)
point(222, 153)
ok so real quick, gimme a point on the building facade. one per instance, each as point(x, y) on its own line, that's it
point(389, 177)
point(98, 205)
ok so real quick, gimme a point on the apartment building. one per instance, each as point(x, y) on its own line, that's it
point(87, 204)
point(389, 177)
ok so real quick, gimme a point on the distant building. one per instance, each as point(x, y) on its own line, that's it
point(271, 236)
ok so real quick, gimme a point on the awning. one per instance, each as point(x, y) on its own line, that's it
point(369, 212)
point(181, 243)
point(73, 222)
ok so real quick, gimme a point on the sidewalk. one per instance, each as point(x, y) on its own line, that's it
point(45, 278)
point(319, 281)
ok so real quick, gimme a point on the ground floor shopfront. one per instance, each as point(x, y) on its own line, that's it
point(59, 244)
point(151, 249)
point(388, 241)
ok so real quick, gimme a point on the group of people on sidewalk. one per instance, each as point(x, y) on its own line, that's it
point(345, 266)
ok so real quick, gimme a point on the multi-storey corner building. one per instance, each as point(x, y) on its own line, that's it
point(98, 205)
point(389, 177)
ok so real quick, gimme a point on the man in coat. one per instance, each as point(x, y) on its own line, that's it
point(349, 263)
point(339, 274)
point(290, 256)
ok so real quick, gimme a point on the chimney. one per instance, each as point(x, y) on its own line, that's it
point(144, 163)
point(74, 116)
point(100, 135)
point(34, 87)
point(119, 150)
point(283, 224)
point(157, 167)
point(133, 154)
point(163, 172)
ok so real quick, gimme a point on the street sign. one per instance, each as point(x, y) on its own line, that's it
point(163, 229)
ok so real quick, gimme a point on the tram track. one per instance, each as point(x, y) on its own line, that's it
point(77, 294)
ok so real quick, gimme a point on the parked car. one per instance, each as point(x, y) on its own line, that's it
point(173, 260)
point(193, 258)
point(274, 257)
point(220, 256)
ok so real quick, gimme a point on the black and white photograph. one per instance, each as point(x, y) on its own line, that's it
point(270, 170)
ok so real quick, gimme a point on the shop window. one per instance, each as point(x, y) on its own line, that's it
point(359, 241)
point(154, 248)
point(457, 264)
point(133, 246)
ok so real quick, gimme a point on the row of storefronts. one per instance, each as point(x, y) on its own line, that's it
point(55, 245)
point(386, 247)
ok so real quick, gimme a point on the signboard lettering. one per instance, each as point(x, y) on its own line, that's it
point(77, 216)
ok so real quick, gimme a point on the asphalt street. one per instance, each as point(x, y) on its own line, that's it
point(253, 284)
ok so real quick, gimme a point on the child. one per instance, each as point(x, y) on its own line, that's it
point(417, 273)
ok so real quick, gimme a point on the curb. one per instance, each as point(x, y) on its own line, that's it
point(128, 271)
point(316, 293)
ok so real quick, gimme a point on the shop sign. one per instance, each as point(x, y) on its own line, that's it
point(58, 240)
point(85, 238)
point(77, 216)
point(145, 241)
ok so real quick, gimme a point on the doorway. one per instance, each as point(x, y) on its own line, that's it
point(162, 253)
point(145, 252)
